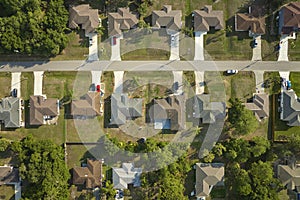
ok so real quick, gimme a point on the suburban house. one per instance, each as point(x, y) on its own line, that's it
point(169, 113)
point(289, 18)
point(290, 108)
point(167, 18)
point(10, 176)
point(259, 106)
point(289, 175)
point(127, 175)
point(207, 18)
point(43, 110)
point(84, 16)
point(208, 175)
point(87, 106)
point(205, 111)
point(89, 175)
point(10, 112)
point(120, 21)
point(253, 21)
point(124, 108)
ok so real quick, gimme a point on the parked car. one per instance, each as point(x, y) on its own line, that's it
point(91, 41)
point(254, 43)
point(232, 71)
point(114, 40)
point(14, 92)
point(172, 38)
point(93, 87)
point(288, 85)
point(98, 88)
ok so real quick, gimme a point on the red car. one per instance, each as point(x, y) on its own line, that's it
point(98, 88)
point(114, 42)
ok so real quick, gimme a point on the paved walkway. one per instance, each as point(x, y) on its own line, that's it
point(118, 88)
point(93, 49)
point(16, 82)
point(174, 52)
point(259, 81)
point(199, 80)
point(256, 55)
point(284, 47)
point(199, 45)
point(18, 191)
point(38, 82)
point(96, 77)
point(178, 82)
point(115, 49)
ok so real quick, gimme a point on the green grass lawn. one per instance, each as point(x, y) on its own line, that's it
point(7, 192)
point(76, 154)
point(146, 54)
point(295, 79)
point(294, 49)
point(243, 85)
point(5, 83)
point(27, 85)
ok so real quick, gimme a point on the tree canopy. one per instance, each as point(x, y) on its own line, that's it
point(33, 26)
point(42, 168)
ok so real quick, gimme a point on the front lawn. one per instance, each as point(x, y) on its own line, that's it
point(295, 79)
point(27, 85)
point(294, 49)
point(5, 84)
point(76, 154)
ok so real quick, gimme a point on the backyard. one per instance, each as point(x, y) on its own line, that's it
point(7, 192)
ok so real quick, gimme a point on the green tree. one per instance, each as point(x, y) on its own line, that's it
point(108, 191)
point(237, 150)
point(241, 119)
point(4, 144)
point(42, 168)
point(261, 145)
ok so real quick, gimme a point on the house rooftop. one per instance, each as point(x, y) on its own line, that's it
point(85, 16)
point(290, 108)
point(260, 105)
point(10, 112)
point(167, 18)
point(289, 18)
point(206, 18)
point(126, 175)
point(88, 105)
point(289, 175)
point(9, 175)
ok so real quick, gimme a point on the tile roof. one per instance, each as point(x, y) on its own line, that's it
point(171, 108)
point(260, 105)
point(88, 105)
point(10, 112)
point(90, 176)
point(208, 175)
point(122, 20)
point(291, 108)
point(9, 175)
point(126, 175)
point(123, 108)
point(206, 18)
point(85, 16)
point(40, 107)
point(168, 18)
point(289, 20)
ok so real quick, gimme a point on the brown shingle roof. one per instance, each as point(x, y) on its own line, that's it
point(121, 20)
point(247, 22)
point(85, 16)
point(88, 105)
point(171, 19)
point(290, 18)
point(206, 17)
point(40, 107)
point(90, 176)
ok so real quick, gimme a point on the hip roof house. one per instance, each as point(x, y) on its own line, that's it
point(120, 21)
point(290, 111)
point(42, 109)
point(85, 16)
point(126, 175)
point(253, 21)
point(88, 105)
point(206, 18)
point(90, 176)
point(10, 112)
point(289, 18)
point(167, 18)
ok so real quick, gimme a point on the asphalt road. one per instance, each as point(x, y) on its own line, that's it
point(165, 65)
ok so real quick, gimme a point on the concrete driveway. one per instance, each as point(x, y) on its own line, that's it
point(38, 82)
point(174, 44)
point(259, 80)
point(285, 74)
point(115, 48)
point(96, 77)
point(256, 55)
point(118, 88)
point(93, 48)
point(177, 85)
point(199, 80)
point(199, 45)
point(16, 82)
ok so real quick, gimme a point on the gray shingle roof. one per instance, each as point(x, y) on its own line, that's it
point(120, 21)
point(260, 105)
point(206, 110)
point(208, 175)
point(206, 17)
point(9, 175)
point(171, 19)
point(123, 108)
point(291, 108)
point(126, 175)
point(85, 16)
point(10, 112)
point(289, 176)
